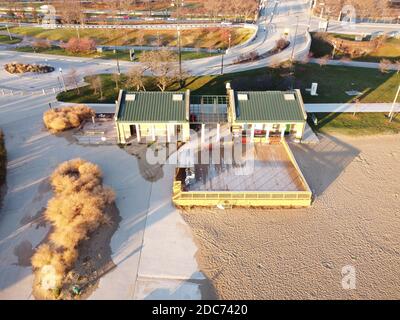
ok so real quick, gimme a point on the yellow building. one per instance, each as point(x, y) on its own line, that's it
point(260, 115)
point(151, 116)
point(168, 116)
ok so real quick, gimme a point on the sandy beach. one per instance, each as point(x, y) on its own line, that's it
point(299, 253)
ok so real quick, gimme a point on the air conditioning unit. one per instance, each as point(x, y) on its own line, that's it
point(130, 97)
point(177, 97)
point(243, 97)
point(289, 97)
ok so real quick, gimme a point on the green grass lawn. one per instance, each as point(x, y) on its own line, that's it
point(3, 159)
point(389, 50)
point(333, 83)
point(4, 39)
point(360, 124)
point(198, 38)
point(121, 54)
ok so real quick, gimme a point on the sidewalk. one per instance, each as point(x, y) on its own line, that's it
point(351, 107)
point(357, 64)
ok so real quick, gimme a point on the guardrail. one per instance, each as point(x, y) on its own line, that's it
point(170, 26)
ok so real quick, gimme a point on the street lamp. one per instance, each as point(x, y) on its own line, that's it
point(60, 70)
point(179, 54)
point(391, 114)
point(292, 56)
point(177, 4)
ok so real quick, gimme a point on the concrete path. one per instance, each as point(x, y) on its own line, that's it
point(351, 107)
point(33, 154)
point(358, 64)
point(168, 268)
point(309, 136)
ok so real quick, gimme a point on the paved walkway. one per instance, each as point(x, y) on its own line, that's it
point(167, 246)
point(358, 64)
point(351, 107)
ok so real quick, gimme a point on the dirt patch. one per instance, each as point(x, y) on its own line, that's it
point(24, 252)
point(37, 219)
point(94, 259)
point(300, 253)
point(150, 172)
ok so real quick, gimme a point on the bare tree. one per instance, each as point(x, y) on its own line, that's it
point(116, 78)
point(73, 79)
point(384, 65)
point(94, 84)
point(397, 66)
point(135, 78)
point(97, 85)
point(163, 65)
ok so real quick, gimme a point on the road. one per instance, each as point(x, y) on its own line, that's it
point(153, 249)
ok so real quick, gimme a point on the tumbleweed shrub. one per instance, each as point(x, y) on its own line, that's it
point(3, 159)
point(76, 175)
point(61, 119)
point(76, 210)
point(18, 68)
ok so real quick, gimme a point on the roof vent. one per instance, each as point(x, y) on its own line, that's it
point(177, 97)
point(130, 97)
point(243, 97)
point(289, 97)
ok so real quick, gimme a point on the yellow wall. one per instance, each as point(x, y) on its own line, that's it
point(298, 127)
point(124, 132)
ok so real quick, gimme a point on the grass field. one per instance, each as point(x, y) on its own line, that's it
point(389, 50)
point(3, 159)
point(333, 83)
point(204, 38)
point(4, 39)
point(121, 54)
point(360, 124)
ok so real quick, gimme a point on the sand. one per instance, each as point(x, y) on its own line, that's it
point(300, 253)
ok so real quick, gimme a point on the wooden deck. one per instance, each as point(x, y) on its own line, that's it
point(272, 171)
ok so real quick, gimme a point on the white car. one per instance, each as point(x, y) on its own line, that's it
point(394, 34)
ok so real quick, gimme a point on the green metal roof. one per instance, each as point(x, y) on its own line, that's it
point(152, 107)
point(268, 106)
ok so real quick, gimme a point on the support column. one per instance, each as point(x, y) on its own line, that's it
point(203, 133)
point(218, 137)
point(153, 133)
point(138, 132)
point(252, 133)
point(169, 132)
point(283, 132)
point(268, 129)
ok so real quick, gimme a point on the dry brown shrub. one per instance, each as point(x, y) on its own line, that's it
point(76, 175)
point(61, 119)
point(76, 210)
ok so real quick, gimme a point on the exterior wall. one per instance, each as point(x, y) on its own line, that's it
point(297, 127)
point(146, 131)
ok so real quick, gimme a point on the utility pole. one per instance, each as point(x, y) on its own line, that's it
point(178, 4)
point(222, 63)
point(292, 56)
point(294, 39)
point(180, 56)
point(62, 78)
point(8, 31)
point(391, 114)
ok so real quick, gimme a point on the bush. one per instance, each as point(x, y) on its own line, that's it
point(76, 45)
point(17, 68)
point(76, 210)
point(61, 119)
point(3, 159)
